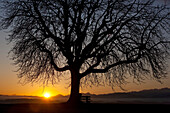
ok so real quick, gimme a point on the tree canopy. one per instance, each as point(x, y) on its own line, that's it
point(98, 41)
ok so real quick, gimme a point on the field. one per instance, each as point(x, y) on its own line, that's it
point(82, 108)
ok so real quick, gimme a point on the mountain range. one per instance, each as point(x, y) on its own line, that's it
point(151, 93)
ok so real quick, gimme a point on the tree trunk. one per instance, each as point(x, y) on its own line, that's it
point(75, 85)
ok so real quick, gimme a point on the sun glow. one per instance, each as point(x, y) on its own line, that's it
point(47, 95)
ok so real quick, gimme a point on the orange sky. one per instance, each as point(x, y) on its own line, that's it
point(9, 82)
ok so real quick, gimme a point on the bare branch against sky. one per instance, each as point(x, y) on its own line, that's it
point(97, 41)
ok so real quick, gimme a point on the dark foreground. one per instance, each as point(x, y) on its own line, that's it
point(83, 108)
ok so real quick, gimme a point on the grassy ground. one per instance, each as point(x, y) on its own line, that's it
point(83, 108)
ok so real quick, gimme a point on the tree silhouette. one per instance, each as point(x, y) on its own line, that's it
point(97, 41)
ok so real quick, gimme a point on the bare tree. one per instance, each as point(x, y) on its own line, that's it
point(98, 41)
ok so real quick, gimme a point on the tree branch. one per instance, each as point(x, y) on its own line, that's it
point(106, 69)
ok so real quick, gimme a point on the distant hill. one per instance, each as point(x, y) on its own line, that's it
point(59, 96)
point(152, 93)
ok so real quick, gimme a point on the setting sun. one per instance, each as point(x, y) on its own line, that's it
point(47, 95)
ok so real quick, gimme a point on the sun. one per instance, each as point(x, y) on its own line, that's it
point(47, 95)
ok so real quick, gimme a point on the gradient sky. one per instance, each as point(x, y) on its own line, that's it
point(9, 83)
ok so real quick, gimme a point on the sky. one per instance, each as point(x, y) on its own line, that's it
point(9, 83)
